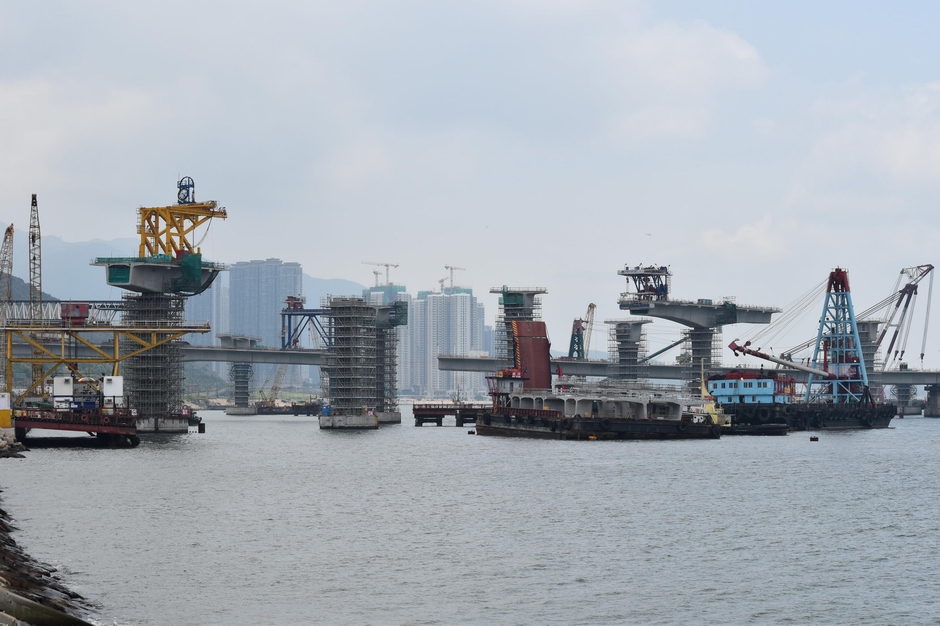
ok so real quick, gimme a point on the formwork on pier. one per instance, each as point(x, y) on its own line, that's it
point(241, 374)
point(522, 305)
point(703, 348)
point(627, 345)
point(364, 355)
point(153, 380)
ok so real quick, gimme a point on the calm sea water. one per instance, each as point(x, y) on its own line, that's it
point(268, 520)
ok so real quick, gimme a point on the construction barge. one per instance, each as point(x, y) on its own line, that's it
point(83, 405)
point(531, 406)
point(764, 403)
point(836, 396)
point(309, 408)
point(435, 412)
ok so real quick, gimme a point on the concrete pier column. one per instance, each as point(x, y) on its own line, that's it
point(701, 340)
point(932, 409)
point(627, 335)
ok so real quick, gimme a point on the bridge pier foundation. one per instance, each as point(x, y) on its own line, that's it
point(932, 408)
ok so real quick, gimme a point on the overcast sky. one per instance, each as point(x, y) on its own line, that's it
point(533, 142)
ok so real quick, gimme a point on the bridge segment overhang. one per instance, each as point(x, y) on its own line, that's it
point(700, 314)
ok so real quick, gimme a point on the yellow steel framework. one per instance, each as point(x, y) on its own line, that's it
point(52, 351)
point(166, 230)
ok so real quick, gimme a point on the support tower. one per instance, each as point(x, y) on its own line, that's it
point(649, 293)
point(169, 267)
point(522, 305)
point(363, 343)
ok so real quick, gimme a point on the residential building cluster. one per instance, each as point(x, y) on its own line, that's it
point(248, 301)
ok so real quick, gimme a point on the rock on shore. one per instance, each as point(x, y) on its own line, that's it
point(10, 448)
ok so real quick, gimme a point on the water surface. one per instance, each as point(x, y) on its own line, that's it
point(268, 520)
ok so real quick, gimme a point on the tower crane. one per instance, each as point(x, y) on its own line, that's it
point(6, 293)
point(6, 265)
point(376, 273)
point(441, 283)
point(451, 268)
point(385, 265)
point(35, 263)
point(581, 329)
point(35, 285)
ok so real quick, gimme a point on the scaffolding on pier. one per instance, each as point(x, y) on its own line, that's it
point(701, 353)
point(241, 374)
point(153, 380)
point(363, 368)
point(627, 346)
point(515, 305)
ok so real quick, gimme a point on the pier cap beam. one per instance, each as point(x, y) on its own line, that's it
point(700, 314)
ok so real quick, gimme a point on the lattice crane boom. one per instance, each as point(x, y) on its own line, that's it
point(588, 329)
point(35, 262)
point(6, 265)
point(581, 328)
point(906, 299)
point(6, 292)
point(35, 286)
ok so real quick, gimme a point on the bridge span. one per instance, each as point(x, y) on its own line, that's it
point(197, 353)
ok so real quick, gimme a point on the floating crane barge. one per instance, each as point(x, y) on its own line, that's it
point(837, 395)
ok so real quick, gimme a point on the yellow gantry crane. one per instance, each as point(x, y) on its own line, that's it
point(79, 344)
point(166, 229)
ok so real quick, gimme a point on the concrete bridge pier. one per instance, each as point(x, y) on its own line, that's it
point(932, 408)
point(627, 335)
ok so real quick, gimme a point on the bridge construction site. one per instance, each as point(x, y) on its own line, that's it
point(139, 338)
point(883, 327)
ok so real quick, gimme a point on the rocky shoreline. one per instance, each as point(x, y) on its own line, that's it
point(30, 591)
point(10, 448)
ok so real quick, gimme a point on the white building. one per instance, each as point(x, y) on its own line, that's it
point(448, 322)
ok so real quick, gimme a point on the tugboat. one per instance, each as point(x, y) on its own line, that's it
point(837, 396)
point(530, 406)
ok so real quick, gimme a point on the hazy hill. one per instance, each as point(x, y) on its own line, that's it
point(20, 289)
point(65, 265)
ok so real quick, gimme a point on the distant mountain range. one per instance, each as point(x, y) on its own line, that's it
point(66, 272)
point(20, 291)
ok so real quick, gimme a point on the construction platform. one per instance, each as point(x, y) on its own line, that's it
point(436, 412)
point(117, 426)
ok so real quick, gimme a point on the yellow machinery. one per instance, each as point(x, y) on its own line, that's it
point(166, 230)
point(59, 343)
